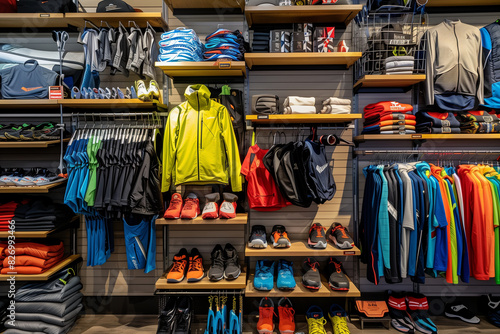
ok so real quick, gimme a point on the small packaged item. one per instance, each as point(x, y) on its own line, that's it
point(342, 46)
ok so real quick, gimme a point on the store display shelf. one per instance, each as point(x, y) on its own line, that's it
point(197, 4)
point(46, 275)
point(32, 20)
point(106, 104)
point(389, 80)
point(39, 234)
point(302, 58)
point(29, 189)
point(300, 248)
point(203, 69)
point(141, 19)
point(429, 136)
point(241, 219)
point(32, 103)
point(301, 291)
point(204, 284)
point(302, 118)
point(300, 14)
point(455, 3)
point(30, 144)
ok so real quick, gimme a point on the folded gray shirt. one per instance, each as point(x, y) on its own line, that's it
point(49, 318)
point(57, 309)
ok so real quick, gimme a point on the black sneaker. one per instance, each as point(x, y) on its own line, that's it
point(460, 311)
point(311, 278)
point(232, 264)
point(317, 237)
point(493, 309)
point(337, 280)
point(258, 238)
point(43, 131)
point(183, 316)
point(13, 131)
point(340, 237)
point(166, 320)
point(216, 271)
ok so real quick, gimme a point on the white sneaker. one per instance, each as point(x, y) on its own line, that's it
point(154, 90)
point(142, 92)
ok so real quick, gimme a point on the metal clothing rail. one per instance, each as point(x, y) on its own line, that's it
point(440, 152)
point(107, 115)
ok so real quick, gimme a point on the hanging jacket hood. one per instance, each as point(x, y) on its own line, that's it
point(199, 144)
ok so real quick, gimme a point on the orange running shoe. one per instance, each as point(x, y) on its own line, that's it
point(175, 207)
point(191, 208)
point(178, 270)
point(195, 271)
point(280, 237)
point(286, 314)
point(266, 312)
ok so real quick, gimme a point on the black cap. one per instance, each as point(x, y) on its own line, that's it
point(114, 6)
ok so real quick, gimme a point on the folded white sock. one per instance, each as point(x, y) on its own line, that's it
point(299, 101)
point(336, 109)
point(336, 101)
point(300, 110)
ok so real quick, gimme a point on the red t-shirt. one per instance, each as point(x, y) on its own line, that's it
point(263, 194)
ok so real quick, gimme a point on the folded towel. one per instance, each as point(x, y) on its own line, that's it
point(336, 101)
point(399, 69)
point(398, 58)
point(299, 101)
point(336, 109)
point(300, 110)
point(400, 72)
point(395, 64)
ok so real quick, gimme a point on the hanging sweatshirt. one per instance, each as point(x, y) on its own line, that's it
point(454, 66)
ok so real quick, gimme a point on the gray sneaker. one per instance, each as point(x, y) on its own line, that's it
point(233, 268)
point(216, 271)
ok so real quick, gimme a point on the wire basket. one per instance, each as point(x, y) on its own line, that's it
point(383, 35)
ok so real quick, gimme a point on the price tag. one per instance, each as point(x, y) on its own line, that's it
point(225, 64)
point(263, 117)
point(55, 92)
point(349, 252)
point(416, 136)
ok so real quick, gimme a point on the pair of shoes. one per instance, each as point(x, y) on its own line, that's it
point(186, 265)
point(225, 263)
point(30, 132)
point(191, 207)
point(34, 177)
point(264, 275)
point(176, 317)
point(147, 94)
point(279, 237)
point(316, 320)
point(338, 235)
point(311, 277)
point(227, 209)
point(409, 313)
point(98, 93)
point(286, 316)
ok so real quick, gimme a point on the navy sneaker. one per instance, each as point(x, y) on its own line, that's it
point(264, 275)
point(258, 237)
point(493, 314)
point(285, 280)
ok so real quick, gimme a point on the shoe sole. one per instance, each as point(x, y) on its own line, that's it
point(173, 280)
point(318, 245)
point(189, 217)
point(278, 245)
point(455, 316)
point(337, 289)
point(286, 289)
point(257, 244)
point(196, 279)
point(215, 279)
point(170, 217)
point(265, 331)
point(287, 332)
point(344, 245)
point(311, 287)
point(232, 278)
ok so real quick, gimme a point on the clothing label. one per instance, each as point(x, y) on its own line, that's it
point(446, 123)
point(320, 169)
point(446, 130)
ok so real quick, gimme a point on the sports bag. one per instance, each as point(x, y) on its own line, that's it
point(265, 104)
point(319, 173)
point(45, 6)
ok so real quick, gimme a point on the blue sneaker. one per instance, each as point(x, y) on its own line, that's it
point(264, 275)
point(285, 281)
point(258, 238)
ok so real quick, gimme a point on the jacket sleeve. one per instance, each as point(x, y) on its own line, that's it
point(231, 146)
point(169, 148)
point(429, 68)
point(480, 72)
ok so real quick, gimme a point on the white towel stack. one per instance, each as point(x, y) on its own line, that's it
point(399, 65)
point(299, 105)
point(334, 105)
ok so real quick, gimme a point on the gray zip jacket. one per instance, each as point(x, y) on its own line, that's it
point(454, 66)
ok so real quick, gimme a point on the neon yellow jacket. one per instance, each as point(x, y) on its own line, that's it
point(199, 146)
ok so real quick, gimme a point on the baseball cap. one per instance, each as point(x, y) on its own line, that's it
point(110, 6)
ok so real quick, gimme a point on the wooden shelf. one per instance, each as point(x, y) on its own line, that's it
point(203, 69)
point(204, 284)
point(38, 103)
point(241, 219)
point(32, 20)
point(101, 104)
point(140, 18)
point(389, 80)
point(39, 234)
point(454, 3)
point(430, 136)
point(198, 4)
point(300, 248)
point(301, 291)
point(29, 189)
point(300, 14)
point(46, 275)
point(302, 118)
point(30, 144)
point(302, 58)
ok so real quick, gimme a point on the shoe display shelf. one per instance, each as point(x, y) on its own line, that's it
point(428, 136)
point(77, 104)
point(301, 59)
point(241, 219)
point(300, 248)
point(31, 144)
point(302, 119)
point(203, 68)
point(205, 284)
point(30, 189)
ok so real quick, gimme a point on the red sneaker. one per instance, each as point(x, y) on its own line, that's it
point(175, 207)
point(211, 208)
point(228, 207)
point(191, 208)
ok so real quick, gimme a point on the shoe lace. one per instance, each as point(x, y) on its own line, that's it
point(179, 266)
point(288, 313)
point(217, 260)
point(195, 264)
point(317, 326)
point(341, 229)
point(341, 325)
point(174, 202)
point(267, 312)
point(338, 266)
point(312, 264)
point(318, 229)
point(286, 267)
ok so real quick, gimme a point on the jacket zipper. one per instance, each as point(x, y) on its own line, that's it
point(198, 134)
point(458, 53)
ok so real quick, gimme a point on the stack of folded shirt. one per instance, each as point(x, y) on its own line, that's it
point(299, 105)
point(399, 65)
point(180, 45)
point(260, 42)
point(33, 258)
point(478, 121)
point(48, 307)
point(334, 105)
point(388, 117)
point(39, 214)
point(4, 303)
point(224, 44)
point(3, 246)
point(437, 122)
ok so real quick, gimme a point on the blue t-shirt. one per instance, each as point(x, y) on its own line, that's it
point(27, 81)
